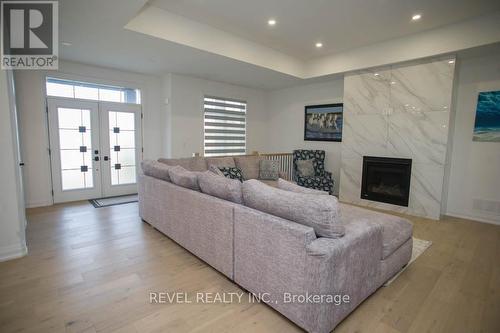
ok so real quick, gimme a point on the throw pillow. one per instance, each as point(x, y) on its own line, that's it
point(184, 178)
point(305, 168)
point(221, 162)
point(233, 173)
point(155, 169)
point(269, 170)
point(289, 186)
point(249, 166)
point(220, 187)
point(320, 212)
point(214, 169)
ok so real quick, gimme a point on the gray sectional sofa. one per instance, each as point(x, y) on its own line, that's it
point(273, 256)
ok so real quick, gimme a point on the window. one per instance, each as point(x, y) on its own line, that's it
point(225, 126)
point(96, 92)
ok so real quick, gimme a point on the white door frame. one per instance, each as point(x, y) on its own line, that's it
point(60, 195)
point(100, 142)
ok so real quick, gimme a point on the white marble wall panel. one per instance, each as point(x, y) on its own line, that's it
point(426, 87)
point(367, 92)
point(402, 111)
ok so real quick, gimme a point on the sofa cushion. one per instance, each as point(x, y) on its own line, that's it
point(305, 168)
point(221, 162)
point(395, 230)
point(249, 166)
point(220, 186)
point(155, 169)
point(189, 163)
point(232, 173)
point(321, 212)
point(289, 186)
point(269, 169)
point(184, 178)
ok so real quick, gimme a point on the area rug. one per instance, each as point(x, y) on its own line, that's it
point(419, 247)
point(113, 201)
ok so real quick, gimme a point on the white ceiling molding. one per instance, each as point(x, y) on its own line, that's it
point(157, 22)
point(448, 39)
point(160, 23)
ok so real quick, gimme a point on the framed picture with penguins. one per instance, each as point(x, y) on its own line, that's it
point(323, 122)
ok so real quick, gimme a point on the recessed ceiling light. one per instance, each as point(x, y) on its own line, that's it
point(376, 74)
point(393, 82)
point(451, 61)
point(271, 22)
point(416, 17)
point(319, 44)
point(66, 43)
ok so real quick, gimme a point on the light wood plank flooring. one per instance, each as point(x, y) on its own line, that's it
point(91, 270)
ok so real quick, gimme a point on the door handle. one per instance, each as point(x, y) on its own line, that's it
point(106, 158)
point(96, 158)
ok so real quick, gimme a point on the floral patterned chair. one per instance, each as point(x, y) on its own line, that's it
point(322, 180)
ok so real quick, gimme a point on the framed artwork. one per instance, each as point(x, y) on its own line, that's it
point(323, 122)
point(487, 123)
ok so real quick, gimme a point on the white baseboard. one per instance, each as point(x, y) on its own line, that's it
point(474, 218)
point(34, 204)
point(13, 251)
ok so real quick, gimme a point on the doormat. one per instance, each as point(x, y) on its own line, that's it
point(113, 201)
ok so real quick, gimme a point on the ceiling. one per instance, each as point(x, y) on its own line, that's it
point(339, 24)
point(95, 28)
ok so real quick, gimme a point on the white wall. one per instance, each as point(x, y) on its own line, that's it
point(185, 113)
point(12, 220)
point(474, 180)
point(30, 87)
point(286, 120)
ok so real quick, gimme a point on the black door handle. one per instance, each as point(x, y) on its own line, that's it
point(96, 158)
point(21, 164)
point(106, 158)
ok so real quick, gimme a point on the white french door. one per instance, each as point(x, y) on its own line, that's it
point(95, 148)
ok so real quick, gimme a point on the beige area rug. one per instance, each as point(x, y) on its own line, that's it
point(419, 247)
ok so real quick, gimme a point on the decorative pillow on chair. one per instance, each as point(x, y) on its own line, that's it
point(305, 168)
point(233, 173)
point(269, 170)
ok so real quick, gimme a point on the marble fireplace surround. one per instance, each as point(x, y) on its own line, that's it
point(400, 111)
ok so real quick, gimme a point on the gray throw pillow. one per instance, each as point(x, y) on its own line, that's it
point(214, 169)
point(220, 186)
point(184, 178)
point(305, 168)
point(249, 166)
point(321, 212)
point(289, 186)
point(269, 170)
point(155, 169)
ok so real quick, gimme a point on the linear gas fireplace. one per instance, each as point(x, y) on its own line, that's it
point(386, 180)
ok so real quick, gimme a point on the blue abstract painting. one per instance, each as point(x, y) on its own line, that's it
point(487, 124)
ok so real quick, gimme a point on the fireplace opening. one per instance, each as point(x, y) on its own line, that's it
point(386, 180)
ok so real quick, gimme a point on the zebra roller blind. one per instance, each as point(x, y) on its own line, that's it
point(225, 126)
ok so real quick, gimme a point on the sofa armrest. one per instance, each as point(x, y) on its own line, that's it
point(347, 266)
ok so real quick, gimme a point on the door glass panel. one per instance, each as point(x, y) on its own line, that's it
point(125, 121)
point(126, 157)
point(122, 147)
point(127, 175)
point(75, 148)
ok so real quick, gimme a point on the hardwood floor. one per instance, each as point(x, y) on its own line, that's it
point(91, 270)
